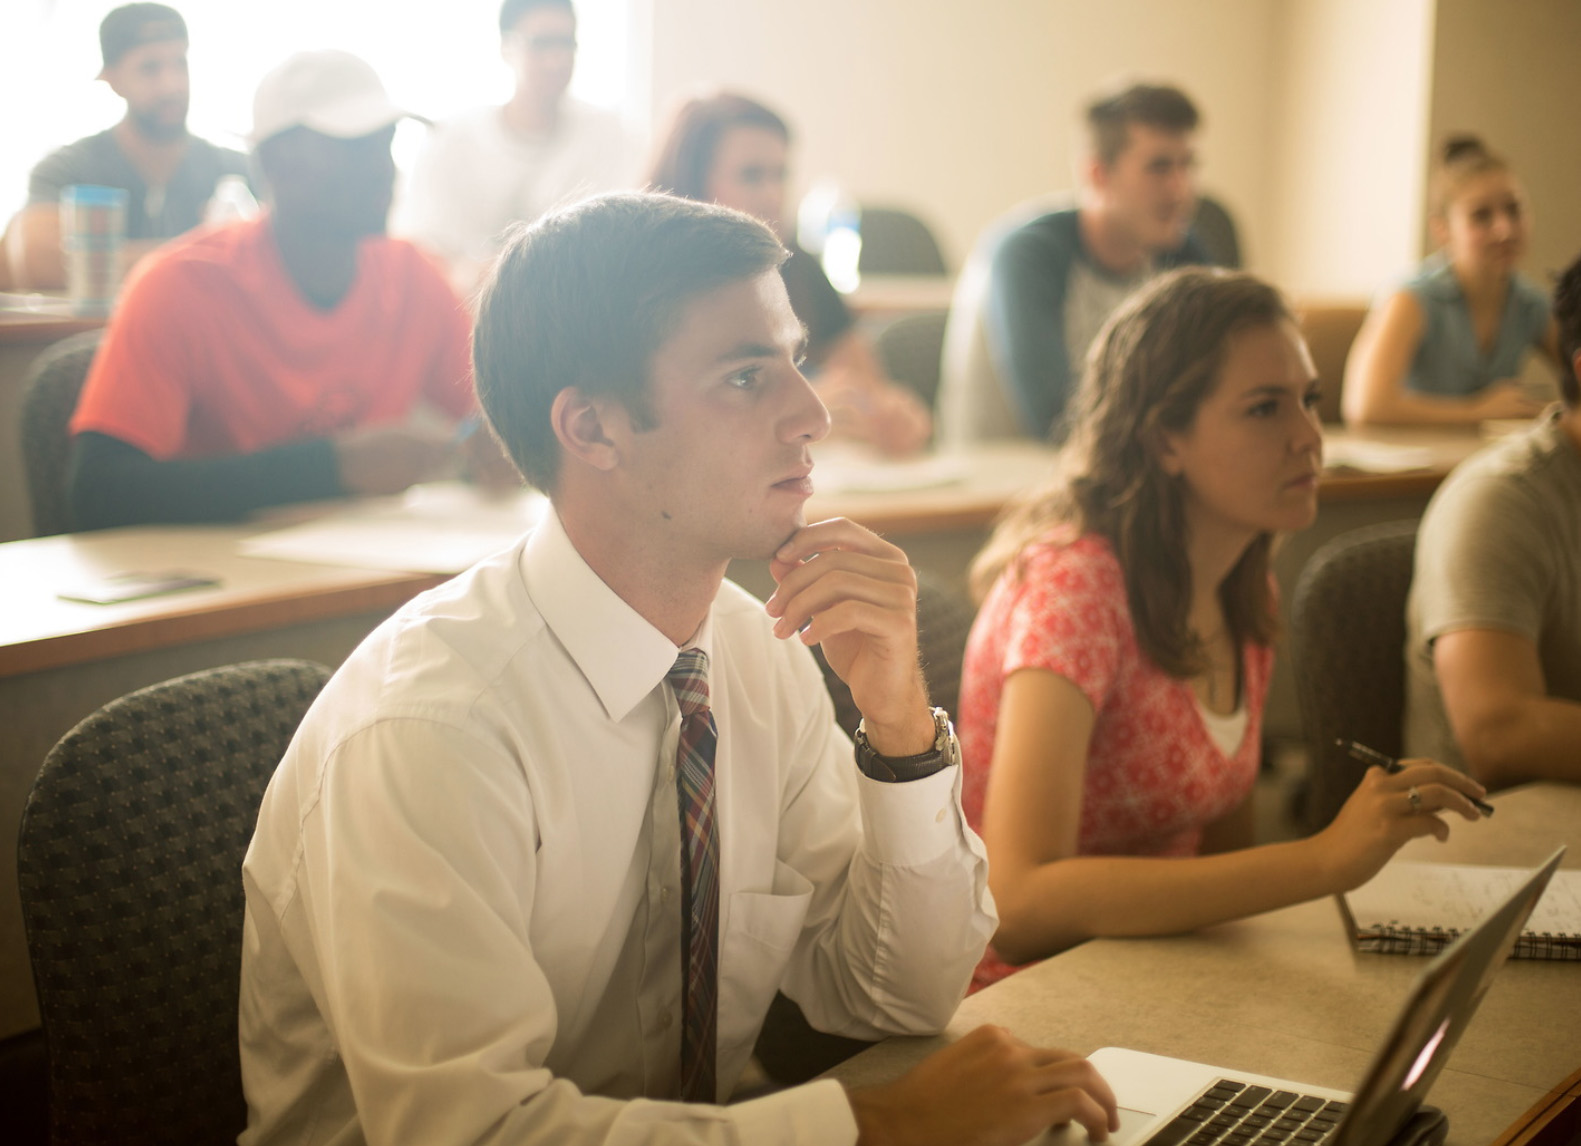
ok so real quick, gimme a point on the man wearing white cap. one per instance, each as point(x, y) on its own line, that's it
point(284, 358)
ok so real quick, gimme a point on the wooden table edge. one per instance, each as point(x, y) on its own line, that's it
point(206, 621)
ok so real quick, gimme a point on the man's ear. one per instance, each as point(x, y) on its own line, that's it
point(1096, 172)
point(1438, 230)
point(588, 428)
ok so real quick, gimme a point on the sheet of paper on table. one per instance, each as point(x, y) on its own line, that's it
point(841, 468)
point(1376, 457)
point(442, 527)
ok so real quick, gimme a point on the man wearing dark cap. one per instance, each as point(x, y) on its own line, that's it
point(169, 174)
point(300, 355)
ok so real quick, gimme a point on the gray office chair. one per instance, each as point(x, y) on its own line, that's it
point(897, 242)
point(1215, 228)
point(129, 865)
point(911, 349)
point(49, 398)
point(1348, 633)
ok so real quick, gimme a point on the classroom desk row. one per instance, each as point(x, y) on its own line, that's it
point(60, 660)
point(1284, 994)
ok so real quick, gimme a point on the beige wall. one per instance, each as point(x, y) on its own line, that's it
point(1319, 113)
point(1349, 149)
point(961, 110)
point(1507, 71)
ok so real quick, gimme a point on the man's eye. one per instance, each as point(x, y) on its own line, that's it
point(1312, 399)
point(1264, 409)
point(746, 379)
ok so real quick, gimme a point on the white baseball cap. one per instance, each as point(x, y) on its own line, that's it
point(334, 93)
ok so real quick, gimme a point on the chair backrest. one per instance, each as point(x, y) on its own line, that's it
point(1216, 231)
point(129, 865)
point(897, 242)
point(1329, 329)
point(911, 348)
point(1348, 622)
point(944, 621)
point(49, 398)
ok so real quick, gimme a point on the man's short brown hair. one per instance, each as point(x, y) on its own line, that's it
point(586, 296)
point(1110, 116)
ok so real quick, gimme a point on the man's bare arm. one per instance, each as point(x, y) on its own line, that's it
point(1508, 727)
point(33, 248)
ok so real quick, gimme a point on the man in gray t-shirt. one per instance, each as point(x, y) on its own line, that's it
point(1493, 644)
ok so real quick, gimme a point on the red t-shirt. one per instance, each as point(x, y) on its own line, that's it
point(212, 350)
point(1154, 776)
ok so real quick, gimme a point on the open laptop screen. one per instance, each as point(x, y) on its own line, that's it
point(1435, 1015)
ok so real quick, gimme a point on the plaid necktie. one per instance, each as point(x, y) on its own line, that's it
point(694, 770)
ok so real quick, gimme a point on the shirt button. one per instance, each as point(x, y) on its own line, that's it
point(939, 819)
point(664, 895)
point(666, 1020)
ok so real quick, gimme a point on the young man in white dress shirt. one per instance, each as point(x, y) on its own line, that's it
point(465, 894)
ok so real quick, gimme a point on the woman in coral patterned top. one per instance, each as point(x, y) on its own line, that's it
point(1111, 703)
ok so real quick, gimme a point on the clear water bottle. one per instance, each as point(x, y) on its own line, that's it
point(842, 246)
point(829, 227)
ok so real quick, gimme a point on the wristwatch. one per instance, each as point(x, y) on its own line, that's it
point(898, 769)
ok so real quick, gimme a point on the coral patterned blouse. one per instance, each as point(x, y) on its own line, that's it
point(1154, 776)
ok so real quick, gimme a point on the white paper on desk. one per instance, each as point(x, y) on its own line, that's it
point(1458, 896)
point(857, 473)
point(1376, 457)
point(443, 527)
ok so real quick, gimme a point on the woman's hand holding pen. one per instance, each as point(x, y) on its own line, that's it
point(1386, 810)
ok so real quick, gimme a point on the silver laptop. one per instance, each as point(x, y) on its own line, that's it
point(1168, 1101)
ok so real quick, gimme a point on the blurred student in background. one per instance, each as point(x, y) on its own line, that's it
point(169, 174)
point(1493, 624)
point(1113, 688)
point(1448, 345)
point(1054, 278)
point(731, 150)
point(299, 355)
point(484, 170)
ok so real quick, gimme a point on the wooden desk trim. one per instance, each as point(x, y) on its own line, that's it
point(20, 327)
point(1528, 1129)
point(209, 620)
point(1356, 486)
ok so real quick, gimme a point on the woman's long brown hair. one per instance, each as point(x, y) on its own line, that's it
point(1150, 368)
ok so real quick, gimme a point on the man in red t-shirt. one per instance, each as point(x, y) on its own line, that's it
point(300, 355)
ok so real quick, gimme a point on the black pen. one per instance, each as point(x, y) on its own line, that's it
point(1389, 764)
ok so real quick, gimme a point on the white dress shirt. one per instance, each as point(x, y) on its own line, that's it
point(463, 895)
point(475, 176)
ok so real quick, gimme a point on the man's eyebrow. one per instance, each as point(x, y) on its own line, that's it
point(743, 350)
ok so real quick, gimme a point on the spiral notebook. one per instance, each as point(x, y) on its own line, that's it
point(1420, 908)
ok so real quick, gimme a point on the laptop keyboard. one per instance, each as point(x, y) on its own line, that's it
point(1240, 1115)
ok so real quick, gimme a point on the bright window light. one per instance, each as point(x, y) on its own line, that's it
point(437, 57)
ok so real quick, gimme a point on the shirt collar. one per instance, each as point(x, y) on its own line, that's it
point(620, 653)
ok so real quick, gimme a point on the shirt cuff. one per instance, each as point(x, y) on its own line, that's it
point(908, 825)
point(818, 1112)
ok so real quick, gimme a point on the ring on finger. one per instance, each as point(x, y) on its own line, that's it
point(1416, 799)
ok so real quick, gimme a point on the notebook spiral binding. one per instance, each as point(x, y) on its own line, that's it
point(1394, 939)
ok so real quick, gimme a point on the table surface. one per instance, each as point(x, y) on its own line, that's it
point(38, 630)
point(1284, 994)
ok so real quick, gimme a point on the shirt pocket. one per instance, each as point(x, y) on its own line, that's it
point(759, 935)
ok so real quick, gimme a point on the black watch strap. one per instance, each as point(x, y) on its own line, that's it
point(900, 769)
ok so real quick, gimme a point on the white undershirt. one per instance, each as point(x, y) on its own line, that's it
point(1226, 732)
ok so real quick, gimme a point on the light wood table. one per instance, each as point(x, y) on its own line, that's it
point(59, 660)
point(1284, 994)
